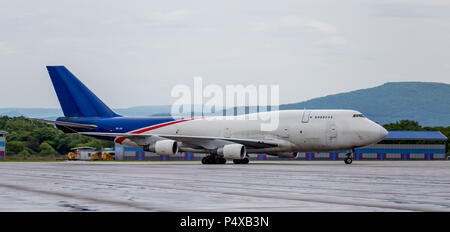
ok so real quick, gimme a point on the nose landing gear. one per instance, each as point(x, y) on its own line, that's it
point(349, 157)
point(348, 160)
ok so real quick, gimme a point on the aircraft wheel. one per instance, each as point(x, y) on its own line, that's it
point(208, 160)
point(348, 160)
point(241, 161)
point(220, 160)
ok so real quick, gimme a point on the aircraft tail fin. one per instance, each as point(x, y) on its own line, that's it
point(75, 98)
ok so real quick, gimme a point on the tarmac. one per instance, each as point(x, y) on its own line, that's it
point(259, 186)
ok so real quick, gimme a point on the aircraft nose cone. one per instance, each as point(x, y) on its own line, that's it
point(383, 133)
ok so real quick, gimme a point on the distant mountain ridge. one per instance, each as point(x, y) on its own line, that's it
point(47, 113)
point(425, 102)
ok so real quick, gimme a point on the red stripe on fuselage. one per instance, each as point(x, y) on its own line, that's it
point(121, 139)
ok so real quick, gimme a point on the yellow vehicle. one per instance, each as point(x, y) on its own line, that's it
point(72, 156)
point(107, 156)
point(95, 156)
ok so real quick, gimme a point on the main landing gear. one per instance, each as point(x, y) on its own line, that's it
point(241, 161)
point(210, 159)
point(349, 157)
point(213, 160)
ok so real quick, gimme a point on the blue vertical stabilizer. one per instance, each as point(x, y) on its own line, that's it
point(75, 98)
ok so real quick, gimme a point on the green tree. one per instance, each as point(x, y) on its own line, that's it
point(19, 124)
point(44, 133)
point(3, 121)
point(404, 125)
point(47, 150)
point(14, 147)
point(25, 153)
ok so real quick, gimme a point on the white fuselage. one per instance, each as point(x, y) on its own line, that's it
point(297, 131)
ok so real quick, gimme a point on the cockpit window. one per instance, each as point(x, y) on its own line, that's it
point(358, 116)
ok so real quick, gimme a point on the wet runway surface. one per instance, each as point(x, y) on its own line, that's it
point(258, 186)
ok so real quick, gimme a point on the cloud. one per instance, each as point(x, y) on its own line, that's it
point(422, 2)
point(324, 34)
point(334, 40)
point(175, 16)
point(293, 22)
point(411, 11)
point(5, 50)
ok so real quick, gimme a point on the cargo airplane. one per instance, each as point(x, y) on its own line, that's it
point(298, 130)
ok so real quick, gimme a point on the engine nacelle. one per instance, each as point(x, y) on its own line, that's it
point(166, 147)
point(289, 155)
point(232, 151)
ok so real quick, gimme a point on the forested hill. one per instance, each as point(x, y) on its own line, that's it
point(425, 102)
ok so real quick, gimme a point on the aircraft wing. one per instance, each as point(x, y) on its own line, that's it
point(191, 139)
point(67, 124)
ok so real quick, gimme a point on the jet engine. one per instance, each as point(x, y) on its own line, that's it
point(166, 147)
point(232, 151)
point(289, 155)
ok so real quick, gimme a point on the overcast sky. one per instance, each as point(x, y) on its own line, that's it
point(132, 53)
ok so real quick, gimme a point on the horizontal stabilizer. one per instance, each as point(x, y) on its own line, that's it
point(67, 124)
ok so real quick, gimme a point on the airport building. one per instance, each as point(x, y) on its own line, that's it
point(3, 144)
point(398, 145)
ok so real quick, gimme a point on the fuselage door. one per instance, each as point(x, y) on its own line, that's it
point(305, 117)
point(227, 133)
point(331, 132)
